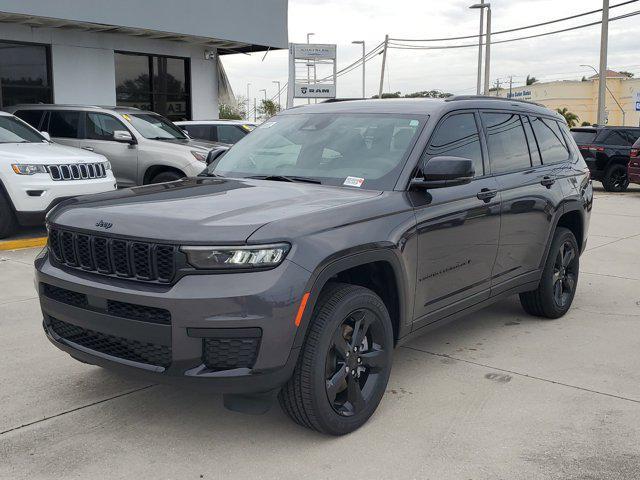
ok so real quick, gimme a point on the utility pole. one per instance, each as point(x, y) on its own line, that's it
point(255, 111)
point(510, 86)
point(498, 83)
point(277, 82)
point(487, 55)
point(384, 62)
point(604, 39)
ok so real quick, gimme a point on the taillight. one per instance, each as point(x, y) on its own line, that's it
point(593, 148)
point(635, 152)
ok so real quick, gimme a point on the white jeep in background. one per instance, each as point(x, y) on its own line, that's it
point(36, 174)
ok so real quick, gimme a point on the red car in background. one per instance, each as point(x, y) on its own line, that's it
point(634, 163)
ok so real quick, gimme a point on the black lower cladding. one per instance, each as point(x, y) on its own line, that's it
point(228, 353)
point(120, 347)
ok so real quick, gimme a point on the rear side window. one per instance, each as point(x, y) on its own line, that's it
point(32, 117)
point(457, 136)
point(101, 126)
point(508, 148)
point(633, 135)
point(203, 132)
point(618, 138)
point(550, 140)
point(64, 124)
point(584, 137)
point(233, 134)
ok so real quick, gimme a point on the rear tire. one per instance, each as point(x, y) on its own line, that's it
point(8, 222)
point(616, 178)
point(344, 365)
point(554, 295)
point(166, 177)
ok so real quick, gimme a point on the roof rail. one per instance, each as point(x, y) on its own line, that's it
point(456, 98)
point(336, 100)
point(72, 105)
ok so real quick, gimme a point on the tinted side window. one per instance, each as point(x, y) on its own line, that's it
point(32, 117)
point(632, 136)
point(533, 144)
point(203, 132)
point(101, 126)
point(64, 124)
point(229, 134)
point(550, 140)
point(508, 150)
point(617, 137)
point(457, 136)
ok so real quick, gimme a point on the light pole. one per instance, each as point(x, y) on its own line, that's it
point(487, 55)
point(610, 93)
point(361, 42)
point(277, 82)
point(309, 35)
point(479, 81)
point(248, 101)
point(604, 39)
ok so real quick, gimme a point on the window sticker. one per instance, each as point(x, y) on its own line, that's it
point(353, 182)
point(414, 123)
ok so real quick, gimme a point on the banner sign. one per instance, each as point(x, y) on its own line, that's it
point(306, 51)
point(315, 90)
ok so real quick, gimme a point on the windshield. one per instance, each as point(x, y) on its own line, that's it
point(358, 150)
point(154, 127)
point(13, 130)
point(584, 137)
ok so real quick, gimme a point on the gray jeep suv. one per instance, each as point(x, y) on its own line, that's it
point(302, 256)
point(143, 147)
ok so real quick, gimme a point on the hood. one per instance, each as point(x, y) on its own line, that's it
point(194, 143)
point(201, 210)
point(47, 153)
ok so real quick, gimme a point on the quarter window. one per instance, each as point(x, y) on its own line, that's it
point(101, 126)
point(550, 140)
point(457, 136)
point(531, 139)
point(64, 124)
point(508, 150)
point(232, 134)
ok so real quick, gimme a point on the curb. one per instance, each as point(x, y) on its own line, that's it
point(23, 243)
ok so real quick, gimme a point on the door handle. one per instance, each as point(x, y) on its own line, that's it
point(547, 181)
point(486, 194)
point(90, 149)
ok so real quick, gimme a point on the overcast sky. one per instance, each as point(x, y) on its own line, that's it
point(548, 58)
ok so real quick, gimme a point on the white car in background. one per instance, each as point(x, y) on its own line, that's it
point(36, 174)
point(222, 131)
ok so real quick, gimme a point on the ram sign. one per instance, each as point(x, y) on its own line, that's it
point(315, 90)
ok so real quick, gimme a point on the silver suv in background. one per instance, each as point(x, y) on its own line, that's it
point(143, 147)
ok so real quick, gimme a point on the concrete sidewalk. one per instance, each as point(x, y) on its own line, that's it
point(497, 395)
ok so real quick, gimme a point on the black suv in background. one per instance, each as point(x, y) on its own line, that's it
point(607, 151)
point(301, 257)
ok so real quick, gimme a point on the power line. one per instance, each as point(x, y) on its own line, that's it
point(400, 46)
point(549, 22)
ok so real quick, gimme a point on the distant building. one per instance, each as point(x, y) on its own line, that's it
point(160, 55)
point(581, 97)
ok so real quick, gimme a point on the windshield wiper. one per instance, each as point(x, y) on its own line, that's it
point(283, 178)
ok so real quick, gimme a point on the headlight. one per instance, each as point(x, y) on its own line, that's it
point(201, 157)
point(28, 169)
point(258, 256)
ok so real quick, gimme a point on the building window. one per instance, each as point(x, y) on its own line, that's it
point(25, 74)
point(152, 82)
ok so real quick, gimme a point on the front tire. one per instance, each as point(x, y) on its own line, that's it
point(616, 178)
point(164, 177)
point(8, 222)
point(344, 366)
point(554, 295)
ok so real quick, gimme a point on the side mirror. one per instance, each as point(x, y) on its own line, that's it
point(122, 136)
point(216, 154)
point(46, 135)
point(439, 172)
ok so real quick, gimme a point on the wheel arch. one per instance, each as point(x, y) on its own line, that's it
point(573, 217)
point(154, 170)
point(378, 269)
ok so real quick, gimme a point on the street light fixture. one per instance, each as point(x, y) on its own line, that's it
point(277, 82)
point(487, 66)
point(610, 93)
point(361, 42)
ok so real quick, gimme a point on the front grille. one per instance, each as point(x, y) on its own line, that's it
point(77, 171)
point(127, 349)
point(117, 309)
point(109, 256)
point(138, 312)
point(227, 353)
point(63, 295)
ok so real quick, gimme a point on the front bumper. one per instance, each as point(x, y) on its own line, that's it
point(202, 308)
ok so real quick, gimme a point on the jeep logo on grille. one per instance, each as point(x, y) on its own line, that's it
point(103, 224)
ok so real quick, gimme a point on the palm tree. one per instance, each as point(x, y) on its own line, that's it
point(571, 118)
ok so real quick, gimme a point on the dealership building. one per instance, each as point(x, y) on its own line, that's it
point(581, 97)
point(160, 55)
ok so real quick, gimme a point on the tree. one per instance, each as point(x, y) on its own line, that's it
point(389, 95)
point(571, 118)
point(627, 74)
point(429, 94)
point(531, 80)
point(585, 124)
point(267, 108)
point(231, 112)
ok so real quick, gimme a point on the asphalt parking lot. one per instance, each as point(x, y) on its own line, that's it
point(498, 394)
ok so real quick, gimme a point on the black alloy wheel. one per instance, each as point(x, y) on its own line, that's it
point(616, 178)
point(565, 274)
